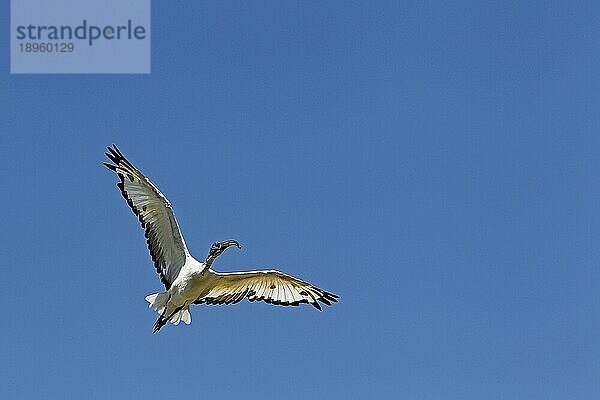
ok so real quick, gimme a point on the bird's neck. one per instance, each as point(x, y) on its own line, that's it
point(209, 260)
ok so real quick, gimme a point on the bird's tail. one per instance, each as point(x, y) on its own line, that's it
point(158, 303)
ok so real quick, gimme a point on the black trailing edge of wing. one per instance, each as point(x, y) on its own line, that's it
point(325, 298)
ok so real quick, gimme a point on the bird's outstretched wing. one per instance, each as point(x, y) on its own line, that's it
point(165, 242)
point(272, 287)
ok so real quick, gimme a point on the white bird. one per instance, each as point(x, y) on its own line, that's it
point(187, 280)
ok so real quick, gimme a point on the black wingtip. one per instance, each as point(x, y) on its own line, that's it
point(331, 296)
point(117, 150)
point(114, 151)
point(115, 155)
point(110, 166)
point(114, 158)
point(324, 300)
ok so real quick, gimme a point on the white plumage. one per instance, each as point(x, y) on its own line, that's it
point(187, 280)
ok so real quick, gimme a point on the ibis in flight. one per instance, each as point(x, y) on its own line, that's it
point(190, 281)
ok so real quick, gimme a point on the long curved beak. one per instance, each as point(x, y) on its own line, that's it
point(232, 243)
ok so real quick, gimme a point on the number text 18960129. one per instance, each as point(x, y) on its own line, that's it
point(46, 47)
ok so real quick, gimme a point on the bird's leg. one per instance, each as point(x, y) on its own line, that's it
point(162, 320)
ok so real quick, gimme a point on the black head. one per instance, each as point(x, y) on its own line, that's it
point(219, 247)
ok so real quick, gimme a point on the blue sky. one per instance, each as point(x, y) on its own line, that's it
point(434, 164)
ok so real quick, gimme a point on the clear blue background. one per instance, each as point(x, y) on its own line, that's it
point(436, 165)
